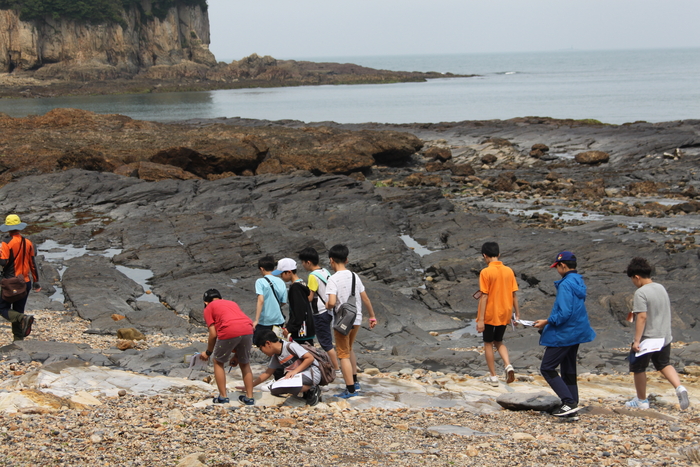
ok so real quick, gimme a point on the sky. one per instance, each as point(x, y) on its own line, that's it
point(304, 29)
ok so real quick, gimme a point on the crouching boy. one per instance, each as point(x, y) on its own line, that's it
point(301, 370)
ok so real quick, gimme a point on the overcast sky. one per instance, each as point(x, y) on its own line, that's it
point(343, 28)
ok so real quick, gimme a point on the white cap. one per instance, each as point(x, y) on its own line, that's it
point(285, 264)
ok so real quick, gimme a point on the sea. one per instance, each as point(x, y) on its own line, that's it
point(610, 86)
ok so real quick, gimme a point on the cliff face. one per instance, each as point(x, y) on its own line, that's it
point(69, 49)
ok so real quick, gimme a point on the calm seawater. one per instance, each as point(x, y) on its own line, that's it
point(610, 86)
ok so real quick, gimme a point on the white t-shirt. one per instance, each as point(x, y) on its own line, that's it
point(290, 357)
point(339, 285)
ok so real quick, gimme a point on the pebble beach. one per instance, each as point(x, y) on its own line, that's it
point(182, 427)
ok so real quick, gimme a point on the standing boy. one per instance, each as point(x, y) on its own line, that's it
point(301, 322)
point(566, 328)
point(497, 304)
point(652, 319)
point(339, 291)
point(272, 293)
point(323, 319)
point(230, 338)
point(301, 372)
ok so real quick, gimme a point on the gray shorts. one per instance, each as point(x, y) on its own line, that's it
point(241, 345)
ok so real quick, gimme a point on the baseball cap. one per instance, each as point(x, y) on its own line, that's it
point(285, 264)
point(564, 256)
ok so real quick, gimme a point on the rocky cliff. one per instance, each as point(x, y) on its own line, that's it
point(69, 49)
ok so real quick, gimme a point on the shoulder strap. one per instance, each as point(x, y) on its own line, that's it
point(352, 290)
point(321, 278)
point(272, 286)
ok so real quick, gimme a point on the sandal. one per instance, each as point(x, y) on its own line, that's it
point(220, 400)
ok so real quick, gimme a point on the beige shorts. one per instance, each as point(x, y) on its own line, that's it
point(343, 344)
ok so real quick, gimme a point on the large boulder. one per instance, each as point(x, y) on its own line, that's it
point(153, 172)
point(592, 157)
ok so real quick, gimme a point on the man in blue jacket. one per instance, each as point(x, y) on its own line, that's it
point(566, 328)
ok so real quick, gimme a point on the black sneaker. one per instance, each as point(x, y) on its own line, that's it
point(565, 410)
point(27, 322)
point(246, 400)
point(313, 396)
point(572, 417)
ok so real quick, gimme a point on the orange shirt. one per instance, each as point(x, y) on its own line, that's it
point(498, 282)
point(23, 260)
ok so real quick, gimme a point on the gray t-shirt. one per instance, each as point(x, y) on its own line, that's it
point(653, 300)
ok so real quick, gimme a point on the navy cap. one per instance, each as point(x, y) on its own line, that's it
point(564, 256)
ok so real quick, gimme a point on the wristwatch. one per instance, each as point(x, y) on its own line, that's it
point(208, 353)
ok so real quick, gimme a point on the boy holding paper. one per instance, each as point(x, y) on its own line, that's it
point(652, 320)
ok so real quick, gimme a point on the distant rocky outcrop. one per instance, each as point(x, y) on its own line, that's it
point(69, 48)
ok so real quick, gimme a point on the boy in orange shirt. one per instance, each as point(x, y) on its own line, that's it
point(497, 304)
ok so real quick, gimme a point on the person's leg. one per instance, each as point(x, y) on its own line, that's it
point(351, 340)
point(342, 346)
point(568, 371)
point(503, 352)
point(220, 377)
point(488, 335)
point(548, 368)
point(640, 385)
point(323, 325)
point(247, 374)
point(243, 349)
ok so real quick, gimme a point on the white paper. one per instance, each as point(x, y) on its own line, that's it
point(293, 382)
point(197, 363)
point(525, 322)
point(650, 345)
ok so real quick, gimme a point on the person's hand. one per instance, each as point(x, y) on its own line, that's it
point(372, 323)
point(540, 323)
point(635, 346)
point(480, 326)
point(240, 388)
point(290, 374)
point(234, 360)
point(37, 287)
point(204, 356)
point(255, 324)
point(285, 333)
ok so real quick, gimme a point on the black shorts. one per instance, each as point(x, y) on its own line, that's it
point(660, 359)
point(494, 333)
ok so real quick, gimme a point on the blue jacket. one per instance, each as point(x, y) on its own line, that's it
point(568, 322)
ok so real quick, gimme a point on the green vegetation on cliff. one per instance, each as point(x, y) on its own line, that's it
point(91, 11)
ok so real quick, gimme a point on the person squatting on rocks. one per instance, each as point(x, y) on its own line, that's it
point(651, 311)
point(230, 339)
point(339, 291)
point(17, 257)
point(497, 304)
point(323, 319)
point(301, 372)
point(272, 294)
point(300, 325)
point(566, 328)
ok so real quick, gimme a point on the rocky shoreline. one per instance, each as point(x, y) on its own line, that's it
point(414, 203)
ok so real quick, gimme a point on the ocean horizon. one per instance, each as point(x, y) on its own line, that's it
point(617, 86)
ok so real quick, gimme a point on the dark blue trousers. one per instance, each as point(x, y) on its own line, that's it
point(565, 385)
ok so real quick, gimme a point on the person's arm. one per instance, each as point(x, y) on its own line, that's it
point(640, 322)
point(368, 305)
point(330, 303)
point(210, 344)
point(258, 309)
point(306, 361)
point(35, 273)
point(541, 323)
point(481, 312)
point(516, 307)
point(259, 379)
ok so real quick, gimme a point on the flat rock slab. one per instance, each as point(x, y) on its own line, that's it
point(456, 430)
point(540, 401)
point(645, 413)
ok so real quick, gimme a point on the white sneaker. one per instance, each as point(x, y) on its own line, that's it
point(510, 374)
point(682, 394)
point(492, 380)
point(637, 403)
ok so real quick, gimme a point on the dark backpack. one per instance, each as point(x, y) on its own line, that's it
point(323, 362)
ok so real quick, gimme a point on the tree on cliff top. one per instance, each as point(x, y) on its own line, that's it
point(92, 11)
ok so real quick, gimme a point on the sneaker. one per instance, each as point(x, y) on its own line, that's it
point(358, 387)
point(682, 394)
point(492, 380)
point(246, 400)
point(313, 396)
point(637, 403)
point(510, 374)
point(572, 417)
point(346, 394)
point(565, 410)
point(221, 400)
point(27, 322)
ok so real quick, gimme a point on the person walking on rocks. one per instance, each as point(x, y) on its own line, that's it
point(497, 305)
point(300, 325)
point(651, 310)
point(272, 294)
point(301, 372)
point(17, 258)
point(566, 328)
point(230, 339)
point(323, 319)
point(339, 291)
